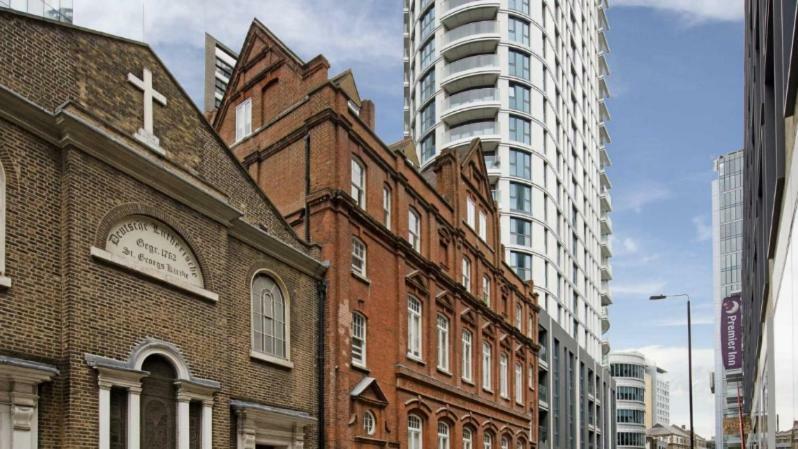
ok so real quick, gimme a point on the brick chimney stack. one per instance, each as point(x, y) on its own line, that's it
point(367, 113)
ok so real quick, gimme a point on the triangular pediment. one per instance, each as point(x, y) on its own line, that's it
point(472, 163)
point(368, 390)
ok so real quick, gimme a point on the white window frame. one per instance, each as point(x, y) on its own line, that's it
point(273, 356)
point(415, 432)
point(358, 187)
point(487, 441)
point(486, 290)
point(466, 275)
point(467, 340)
point(483, 225)
point(487, 382)
point(471, 212)
point(505, 443)
point(414, 229)
point(519, 316)
point(386, 206)
point(443, 435)
point(369, 422)
point(519, 383)
point(359, 256)
point(359, 335)
point(468, 438)
point(243, 119)
point(414, 328)
point(503, 380)
point(442, 325)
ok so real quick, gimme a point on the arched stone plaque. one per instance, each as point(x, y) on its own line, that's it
point(149, 243)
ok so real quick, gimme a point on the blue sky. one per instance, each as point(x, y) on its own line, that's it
point(676, 84)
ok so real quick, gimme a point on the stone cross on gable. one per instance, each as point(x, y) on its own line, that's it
point(145, 133)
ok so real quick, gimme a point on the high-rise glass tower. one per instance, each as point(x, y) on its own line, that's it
point(727, 246)
point(60, 10)
point(528, 77)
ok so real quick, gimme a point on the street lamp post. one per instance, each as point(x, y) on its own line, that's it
point(689, 357)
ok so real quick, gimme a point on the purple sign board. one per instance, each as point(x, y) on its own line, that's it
point(731, 316)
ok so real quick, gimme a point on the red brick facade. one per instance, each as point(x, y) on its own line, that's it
point(306, 132)
point(72, 313)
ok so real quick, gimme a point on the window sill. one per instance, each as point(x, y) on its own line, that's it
point(467, 381)
point(271, 359)
point(445, 372)
point(361, 278)
point(5, 282)
point(416, 359)
point(359, 367)
point(121, 262)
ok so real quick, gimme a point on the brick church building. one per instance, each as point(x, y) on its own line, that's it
point(430, 338)
point(150, 295)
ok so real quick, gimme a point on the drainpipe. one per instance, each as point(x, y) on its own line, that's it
point(307, 186)
point(321, 287)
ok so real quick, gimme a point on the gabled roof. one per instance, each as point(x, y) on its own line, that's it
point(346, 81)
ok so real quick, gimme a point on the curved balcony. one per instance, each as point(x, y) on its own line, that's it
point(606, 224)
point(606, 270)
point(605, 347)
point(459, 12)
point(471, 71)
point(605, 320)
point(605, 294)
point(604, 156)
point(486, 130)
point(604, 179)
point(471, 39)
point(606, 201)
point(471, 105)
point(606, 246)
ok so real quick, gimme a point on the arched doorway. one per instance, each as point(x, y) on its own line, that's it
point(158, 404)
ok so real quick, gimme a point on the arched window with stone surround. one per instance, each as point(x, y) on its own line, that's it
point(270, 318)
point(414, 432)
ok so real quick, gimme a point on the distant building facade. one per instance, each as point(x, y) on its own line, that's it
point(727, 248)
point(628, 371)
point(658, 392)
point(770, 209)
point(219, 63)
point(674, 437)
point(151, 297)
point(431, 338)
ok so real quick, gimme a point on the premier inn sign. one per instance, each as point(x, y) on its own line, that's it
point(731, 332)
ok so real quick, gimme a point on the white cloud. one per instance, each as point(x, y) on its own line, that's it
point(674, 360)
point(643, 289)
point(682, 322)
point(695, 11)
point(703, 231)
point(630, 245)
point(343, 30)
point(636, 199)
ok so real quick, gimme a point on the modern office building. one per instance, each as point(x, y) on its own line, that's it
point(60, 10)
point(770, 194)
point(727, 246)
point(658, 396)
point(219, 63)
point(628, 370)
point(528, 78)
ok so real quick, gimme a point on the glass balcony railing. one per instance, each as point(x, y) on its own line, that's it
point(472, 29)
point(452, 4)
point(473, 129)
point(470, 96)
point(472, 62)
point(543, 393)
